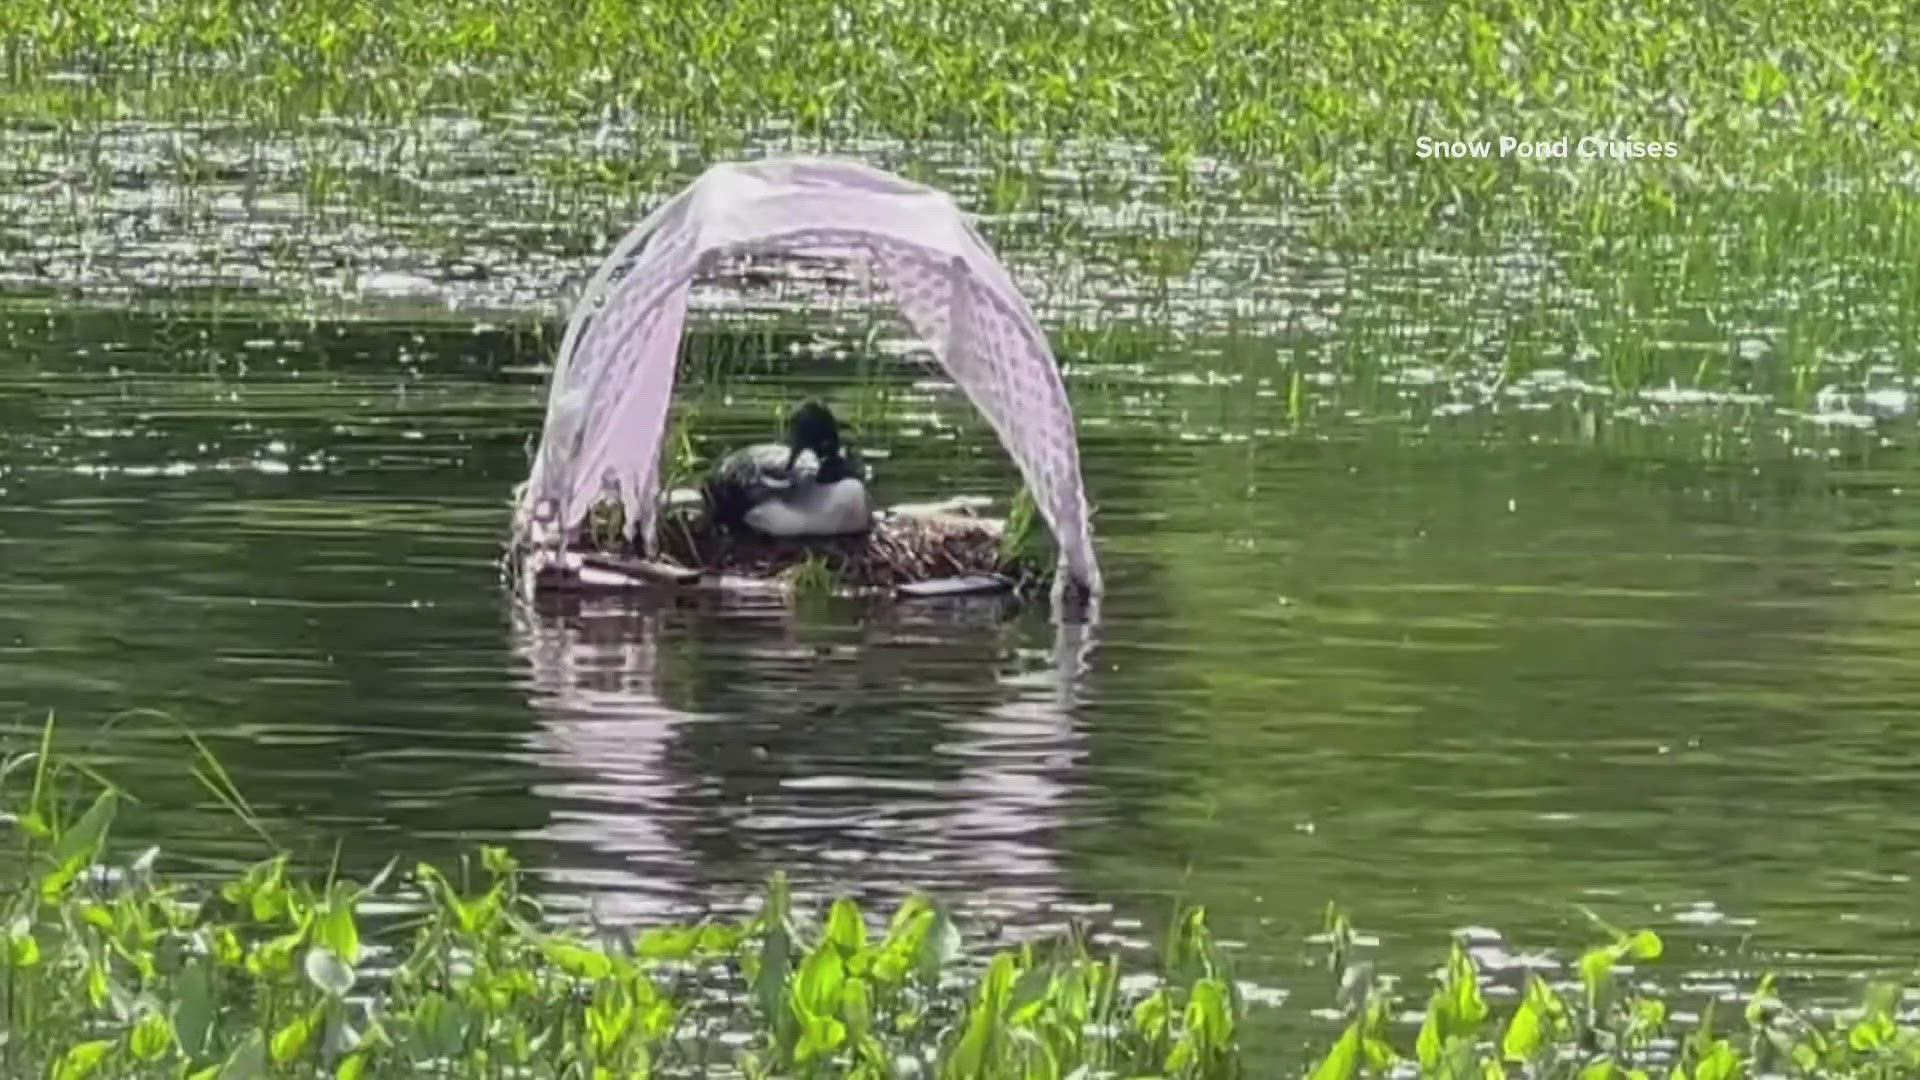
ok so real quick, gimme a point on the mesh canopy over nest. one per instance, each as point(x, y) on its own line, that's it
point(613, 378)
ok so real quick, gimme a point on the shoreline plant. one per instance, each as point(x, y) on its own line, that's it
point(1827, 83)
point(111, 970)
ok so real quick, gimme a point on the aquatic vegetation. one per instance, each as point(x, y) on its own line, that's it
point(1608, 1024)
point(112, 971)
point(120, 971)
point(811, 576)
point(1025, 539)
point(1269, 222)
point(1314, 87)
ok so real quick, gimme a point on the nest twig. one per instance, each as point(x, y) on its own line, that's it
point(901, 549)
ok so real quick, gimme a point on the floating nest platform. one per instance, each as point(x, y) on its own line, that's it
point(925, 552)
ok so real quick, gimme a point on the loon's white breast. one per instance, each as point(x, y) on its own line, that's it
point(809, 509)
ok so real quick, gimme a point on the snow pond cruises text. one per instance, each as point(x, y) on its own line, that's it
point(1590, 146)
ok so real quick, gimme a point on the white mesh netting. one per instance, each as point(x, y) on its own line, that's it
point(613, 378)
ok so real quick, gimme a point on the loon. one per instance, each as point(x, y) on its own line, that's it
point(806, 487)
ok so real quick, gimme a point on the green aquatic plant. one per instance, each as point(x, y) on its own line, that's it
point(106, 971)
point(1108, 176)
point(1024, 540)
point(111, 969)
point(1323, 88)
point(607, 523)
point(812, 577)
point(1605, 1031)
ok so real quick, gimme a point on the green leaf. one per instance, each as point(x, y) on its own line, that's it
point(82, 841)
point(1210, 1014)
point(668, 943)
point(152, 1037)
point(227, 948)
point(816, 989)
point(338, 932)
point(99, 984)
point(774, 964)
point(1870, 1033)
point(194, 1015)
point(292, 1039)
point(379, 881)
point(577, 960)
point(352, 1067)
point(1152, 1015)
point(1881, 1000)
point(80, 1061)
point(1463, 976)
point(23, 949)
point(1379, 1054)
point(248, 1061)
point(1720, 1063)
point(856, 1006)
point(939, 947)
point(1343, 1061)
point(719, 938)
point(914, 911)
point(497, 861)
point(1763, 1002)
point(1596, 967)
point(1644, 945)
point(439, 1026)
point(1599, 1070)
point(329, 972)
point(267, 903)
point(337, 1035)
point(659, 1018)
point(819, 1035)
point(609, 1023)
point(846, 929)
point(1029, 994)
point(1430, 1043)
point(276, 955)
point(1524, 1034)
point(985, 1017)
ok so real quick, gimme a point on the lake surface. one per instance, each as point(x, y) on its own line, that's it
point(1464, 673)
point(1392, 621)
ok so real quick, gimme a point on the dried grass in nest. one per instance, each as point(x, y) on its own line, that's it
point(901, 549)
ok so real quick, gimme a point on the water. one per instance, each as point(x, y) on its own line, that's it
point(1459, 673)
point(1461, 576)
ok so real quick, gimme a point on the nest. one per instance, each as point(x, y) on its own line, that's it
point(902, 549)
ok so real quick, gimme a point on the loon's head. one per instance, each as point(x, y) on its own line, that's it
point(812, 427)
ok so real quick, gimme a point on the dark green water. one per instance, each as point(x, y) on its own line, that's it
point(1466, 671)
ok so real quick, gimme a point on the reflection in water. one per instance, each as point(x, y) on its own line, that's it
point(705, 746)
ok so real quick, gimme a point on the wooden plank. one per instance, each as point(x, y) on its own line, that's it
point(643, 569)
point(600, 577)
point(969, 585)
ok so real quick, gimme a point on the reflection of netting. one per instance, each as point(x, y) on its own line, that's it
point(614, 377)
